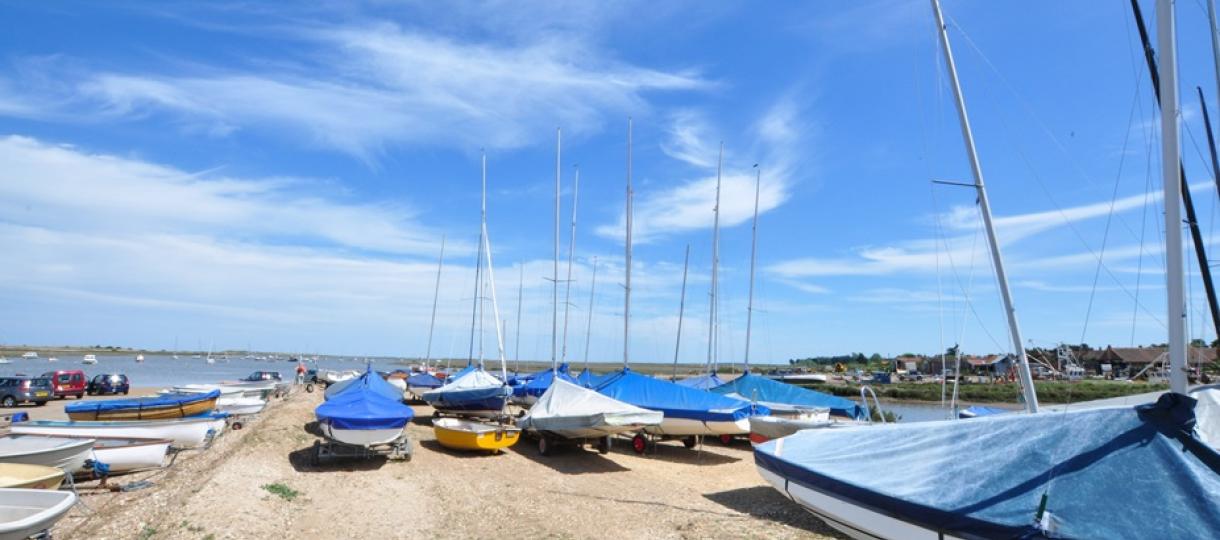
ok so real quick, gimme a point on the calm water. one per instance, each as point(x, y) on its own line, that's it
point(160, 371)
point(917, 411)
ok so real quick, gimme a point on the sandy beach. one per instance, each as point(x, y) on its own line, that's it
point(219, 493)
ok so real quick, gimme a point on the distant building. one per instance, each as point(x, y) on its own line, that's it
point(1124, 362)
point(992, 365)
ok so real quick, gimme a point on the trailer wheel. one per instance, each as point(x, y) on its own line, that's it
point(726, 439)
point(690, 442)
point(639, 443)
point(309, 388)
point(315, 456)
point(237, 426)
point(544, 446)
point(603, 445)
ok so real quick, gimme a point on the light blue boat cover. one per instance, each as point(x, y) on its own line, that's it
point(976, 411)
point(369, 381)
point(424, 380)
point(469, 367)
point(365, 405)
point(764, 389)
point(540, 381)
point(1107, 473)
point(702, 382)
point(675, 400)
point(160, 401)
point(588, 379)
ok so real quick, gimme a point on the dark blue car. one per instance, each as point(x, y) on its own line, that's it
point(112, 383)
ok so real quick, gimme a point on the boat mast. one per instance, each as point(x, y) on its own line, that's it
point(517, 340)
point(491, 278)
point(1171, 169)
point(1211, 19)
point(589, 326)
point(478, 265)
point(436, 295)
point(711, 312)
point(627, 268)
point(681, 310)
point(753, 259)
point(555, 275)
point(1196, 236)
point(1211, 141)
point(567, 287)
point(1014, 329)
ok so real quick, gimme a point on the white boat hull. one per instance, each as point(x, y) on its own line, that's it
point(240, 405)
point(186, 433)
point(683, 427)
point(61, 453)
point(362, 437)
point(27, 512)
point(138, 456)
point(854, 521)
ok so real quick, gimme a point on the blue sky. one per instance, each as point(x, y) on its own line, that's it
point(237, 173)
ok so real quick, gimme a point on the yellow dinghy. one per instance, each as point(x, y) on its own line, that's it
point(159, 407)
point(460, 434)
point(22, 475)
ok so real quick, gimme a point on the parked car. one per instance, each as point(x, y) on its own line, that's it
point(110, 383)
point(69, 382)
point(21, 389)
point(263, 376)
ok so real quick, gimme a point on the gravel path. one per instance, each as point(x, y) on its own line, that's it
point(220, 493)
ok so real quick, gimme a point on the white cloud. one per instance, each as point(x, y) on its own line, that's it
point(372, 86)
point(689, 204)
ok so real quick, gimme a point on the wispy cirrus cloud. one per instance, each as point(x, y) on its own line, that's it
point(366, 87)
point(689, 204)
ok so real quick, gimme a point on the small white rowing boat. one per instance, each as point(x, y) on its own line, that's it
point(191, 432)
point(26, 476)
point(27, 512)
point(122, 454)
point(64, 453)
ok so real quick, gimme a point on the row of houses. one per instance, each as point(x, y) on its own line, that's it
point(1116, 362)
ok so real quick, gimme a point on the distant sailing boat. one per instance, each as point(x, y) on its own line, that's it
point(1028, 475)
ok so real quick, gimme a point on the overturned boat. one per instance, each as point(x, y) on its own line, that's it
point(29, 512)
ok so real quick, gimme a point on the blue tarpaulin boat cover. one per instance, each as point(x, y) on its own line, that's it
point(540, 381)
point(1103, 471)
point(424, 380)
point(365, 402)
point(152, 402)
point(369, 381)
point(975, 411)
point(675, 400)
point(766, 390)
point(588, 379)
point(465, 370)
point(476, 390)
point(702, 382)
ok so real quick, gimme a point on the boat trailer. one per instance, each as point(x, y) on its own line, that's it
point(397, 450)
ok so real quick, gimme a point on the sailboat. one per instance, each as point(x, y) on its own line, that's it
point(423, 381)
point(688, 412)
point(473, 391)
point(792, 408)
point(567, 412)
point(1035, 475)
point(710, 380)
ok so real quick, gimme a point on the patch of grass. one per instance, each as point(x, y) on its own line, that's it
point(1048, 391)
point(147, 532)
point(209, 536)
point(285, 492)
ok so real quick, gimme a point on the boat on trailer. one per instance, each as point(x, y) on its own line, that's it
point(688, 412)
point(474, 393)
point(362, 421)
point(569, 413)
point(184, 433)
point(29, 512)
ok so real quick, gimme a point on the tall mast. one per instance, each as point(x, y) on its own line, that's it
point(589, 325)
point(567, 287)
point(491, 278)
point(555, 275)
point(627, 248)
point(1196, 235)
point(681, 310)
point(1014, 329)
point(517, 340)
point(711, 312)
point(436, 295)
point(1211, 19)
point(753, 259)
point(1171, 170)
point(478, 265)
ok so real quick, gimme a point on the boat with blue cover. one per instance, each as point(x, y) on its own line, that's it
point(787, 399)
point(687, 411)
point(419, 383)
point(363, 414)
point(977, 411)
point(702, 382)
point(472, 393)
point(528, 393)
point(160, 407)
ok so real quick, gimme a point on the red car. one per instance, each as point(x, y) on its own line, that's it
point(67, 383)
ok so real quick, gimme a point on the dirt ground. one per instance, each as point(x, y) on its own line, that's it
point(577, 493)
